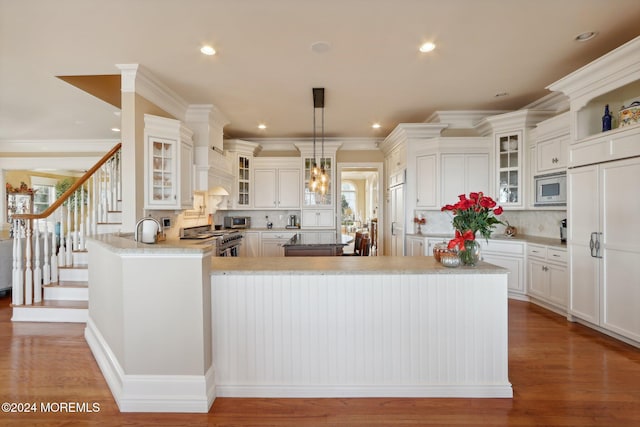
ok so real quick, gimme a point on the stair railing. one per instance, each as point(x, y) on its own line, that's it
point(39, 252)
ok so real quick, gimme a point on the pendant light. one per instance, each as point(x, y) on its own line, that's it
point(319, 177)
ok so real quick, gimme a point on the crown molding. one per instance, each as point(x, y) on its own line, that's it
point(462, 119)
point(406, 132)
point(617, 68)
point(43, 146)
point(208, 113)
point(137, 79)
point(513, 120)
point(556, 101)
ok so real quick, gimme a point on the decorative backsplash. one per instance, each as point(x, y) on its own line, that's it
point(532, 223)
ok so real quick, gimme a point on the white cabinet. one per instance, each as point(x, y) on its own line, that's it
point(241, 154)
point(396, 219)
point(443, 168)
point(604, 250)
point(168, 164)
point(271, 242)
point(510, 172)
point(548, 277)
point(317, 218)
point(416, 246)
point(426, 181)
point(251, 244)
point(276, 183)
point(551, 155)
point(509, 255)
point(462, 174)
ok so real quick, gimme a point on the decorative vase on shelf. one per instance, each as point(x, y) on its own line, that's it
point(470, 255)
point(606, 119)
point(419, 231)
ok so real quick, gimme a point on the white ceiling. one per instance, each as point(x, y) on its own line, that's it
point(265, 69)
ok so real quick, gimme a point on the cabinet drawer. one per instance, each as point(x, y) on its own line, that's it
point(537, 251)
point(276, 235)
point(557, 255)
point(502, 247)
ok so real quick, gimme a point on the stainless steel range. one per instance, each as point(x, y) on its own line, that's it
point(225, 242)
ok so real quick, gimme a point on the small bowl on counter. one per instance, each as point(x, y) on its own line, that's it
point(449, 259)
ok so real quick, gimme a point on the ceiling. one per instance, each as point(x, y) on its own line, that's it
point(265, 67)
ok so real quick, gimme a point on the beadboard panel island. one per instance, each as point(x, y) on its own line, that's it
point(172, 327)
point(359, 327)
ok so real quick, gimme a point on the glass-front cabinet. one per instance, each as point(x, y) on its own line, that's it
point(168, 164)
point(317, 198)
point(244, 173)
point(163, 165)
point(509, 168)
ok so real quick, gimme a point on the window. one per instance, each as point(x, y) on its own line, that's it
point(45, 193)
point(349, 200)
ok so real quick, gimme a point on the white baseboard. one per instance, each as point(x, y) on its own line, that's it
point(341, 391)
point(150, 393)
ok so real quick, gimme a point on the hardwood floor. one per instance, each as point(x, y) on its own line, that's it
point(563, 374)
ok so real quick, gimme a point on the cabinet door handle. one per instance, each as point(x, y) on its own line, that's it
point(598, 237)
point(592, 244)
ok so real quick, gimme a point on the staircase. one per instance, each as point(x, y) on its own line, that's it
point(50, 271)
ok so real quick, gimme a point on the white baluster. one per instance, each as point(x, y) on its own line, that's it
point(62, 256)
point(68, 259)
point(83, 222)
point(37, 272)
point(18, 276)
point(76, 222)
point(54, 257)
point(28, 273)
point(46, 268)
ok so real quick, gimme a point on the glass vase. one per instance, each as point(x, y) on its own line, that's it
point(471, 253)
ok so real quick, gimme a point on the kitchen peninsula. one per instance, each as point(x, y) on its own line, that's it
point(174, 327)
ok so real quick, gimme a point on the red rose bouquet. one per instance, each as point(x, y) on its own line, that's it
point(473, 214)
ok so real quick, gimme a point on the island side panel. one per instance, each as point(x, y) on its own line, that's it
point(339, 335)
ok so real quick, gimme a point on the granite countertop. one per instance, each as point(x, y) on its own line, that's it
point(546, 241)
point(308, 239)
point(123, 243)
point(325, 265)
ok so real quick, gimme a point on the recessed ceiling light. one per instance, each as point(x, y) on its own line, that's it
point(262, 126)
point(376, 126)
point(115, 129)
point(587, 35)
point(208, 50)
point(427, 47)
point(320, 47)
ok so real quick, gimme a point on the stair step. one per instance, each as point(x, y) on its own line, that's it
point(80, 257)
point(66, 291)
point(52, 311)
point(74, 273)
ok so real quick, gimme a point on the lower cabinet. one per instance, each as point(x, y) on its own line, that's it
point(548, 276)
point(509, 255)
point(250, 246)
point(271, 242)
point(416, 246)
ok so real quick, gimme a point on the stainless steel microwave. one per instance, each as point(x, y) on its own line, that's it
point(551, 189)
point(237, 221)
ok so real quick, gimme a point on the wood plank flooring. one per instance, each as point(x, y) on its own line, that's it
point(563, 374)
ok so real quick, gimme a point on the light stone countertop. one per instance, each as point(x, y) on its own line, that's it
point(124, 244)
point(346, 265)
point(546, 241)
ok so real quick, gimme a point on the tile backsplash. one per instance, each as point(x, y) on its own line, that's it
point(532, 223)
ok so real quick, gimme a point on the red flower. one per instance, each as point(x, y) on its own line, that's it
point(498, 210)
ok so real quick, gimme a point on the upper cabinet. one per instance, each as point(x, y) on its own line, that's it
point(511, 133)
point(550, 139)
point(241, 153)
point(276, 183)
point(168, 164)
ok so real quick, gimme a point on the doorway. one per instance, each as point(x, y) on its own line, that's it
point(360, 200)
